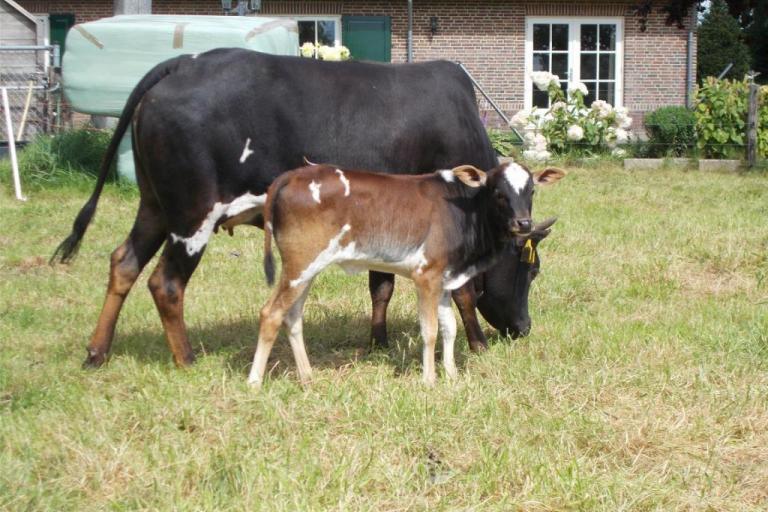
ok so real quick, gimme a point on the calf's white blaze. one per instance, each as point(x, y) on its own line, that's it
point(246, 151)
point(198, 240)
point(516, 176)
point(314, 188)
point(344, 180)
point(447, 175)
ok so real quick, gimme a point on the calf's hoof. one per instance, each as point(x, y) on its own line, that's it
point(93, 360)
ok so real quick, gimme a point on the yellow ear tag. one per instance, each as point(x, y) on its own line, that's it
point(529, 253)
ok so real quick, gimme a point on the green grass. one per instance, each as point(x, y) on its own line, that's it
point(643, 385)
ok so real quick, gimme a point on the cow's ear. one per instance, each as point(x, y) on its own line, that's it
point(469, 175)
point(548, 176)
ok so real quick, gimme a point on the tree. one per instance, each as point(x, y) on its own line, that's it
point(721, 41)
point(677, 10)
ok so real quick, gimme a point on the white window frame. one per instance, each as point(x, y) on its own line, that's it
point(308, 17)
point(574, 43)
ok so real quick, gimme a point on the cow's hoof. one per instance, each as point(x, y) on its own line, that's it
point(478, 348)
point(94, 360)
point(185, 361)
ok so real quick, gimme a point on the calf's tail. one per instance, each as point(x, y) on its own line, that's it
point(67, 250)
point(269, 227)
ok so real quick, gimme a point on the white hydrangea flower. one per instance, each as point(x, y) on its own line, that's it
point(577, 87)
point(543, 79)
point(622, 118)
point(521, 119)
point(540, 142)
point(622, 136)
point(602, 108)
point(619, 152)
point(307, 50)
point(575, 133)
point(559, 105)
point(532, 154)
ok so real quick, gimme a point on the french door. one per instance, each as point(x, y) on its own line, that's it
point(587, 50)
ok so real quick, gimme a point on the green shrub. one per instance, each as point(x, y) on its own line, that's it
point(71, 157)
point(721, 117)
point(504, 142)
point(671, 131)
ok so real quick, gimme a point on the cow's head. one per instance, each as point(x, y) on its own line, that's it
point(503, 289)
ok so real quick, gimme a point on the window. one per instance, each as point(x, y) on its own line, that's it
point(319, 30)
point(589, 50)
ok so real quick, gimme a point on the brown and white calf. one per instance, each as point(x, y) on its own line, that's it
point(439, 230)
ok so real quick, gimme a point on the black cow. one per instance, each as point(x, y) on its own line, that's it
point(211, 133)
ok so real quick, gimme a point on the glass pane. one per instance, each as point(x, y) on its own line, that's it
point(607, 92)
point(560, 37)
point(588, 66)
point(588, 38)
point(607, 37)
point(564, 88)
point(306, 32)
point(541, 62)
point(560, 64)
point(608, 66)
point(326, 32)
point(591, 90)
point(540, 98)
point(540, 37)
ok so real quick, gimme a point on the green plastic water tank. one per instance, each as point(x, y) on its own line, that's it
point(105, 59)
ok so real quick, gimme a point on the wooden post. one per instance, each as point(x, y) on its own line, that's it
point(752, 123)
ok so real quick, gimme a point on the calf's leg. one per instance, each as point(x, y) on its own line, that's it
point(381, 286)
point(429, 294)
point(126, 264)
point(448, 332)
point(167, 284)
point(285, 305)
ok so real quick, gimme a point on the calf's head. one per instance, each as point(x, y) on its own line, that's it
point(512, 187)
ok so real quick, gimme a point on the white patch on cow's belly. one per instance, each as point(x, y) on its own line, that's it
point(314, 188)
point(453, 281)
point(331, 254)
point(447, 175)
point(344, 180)
point(248, 202)
point(247, 151)
point(516, 176)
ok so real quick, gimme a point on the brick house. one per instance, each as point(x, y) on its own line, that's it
point(598, 42)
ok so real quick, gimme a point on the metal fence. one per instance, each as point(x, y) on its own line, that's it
point(29, 75)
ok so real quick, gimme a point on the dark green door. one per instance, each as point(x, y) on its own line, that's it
point(367, 37)
point(60, 25)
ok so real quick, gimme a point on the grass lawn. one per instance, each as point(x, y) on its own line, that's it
point(643, 385)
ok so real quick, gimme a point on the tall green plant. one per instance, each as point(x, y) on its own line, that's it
point(720, 42)
point(721, 117)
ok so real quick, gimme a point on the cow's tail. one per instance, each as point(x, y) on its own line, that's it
point(269, 227)
point(67, 250)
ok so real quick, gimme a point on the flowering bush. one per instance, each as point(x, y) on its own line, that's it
point(569, 125)
point(324, 52)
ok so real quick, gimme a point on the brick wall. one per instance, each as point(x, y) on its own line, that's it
point(486, 35)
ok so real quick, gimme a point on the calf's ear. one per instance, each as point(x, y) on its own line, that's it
point(469, 175)
point(548, 176)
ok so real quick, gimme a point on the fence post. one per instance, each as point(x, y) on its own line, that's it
point(752, 121)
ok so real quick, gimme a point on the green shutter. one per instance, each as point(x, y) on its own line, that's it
point(368, 37)
point(60, 25)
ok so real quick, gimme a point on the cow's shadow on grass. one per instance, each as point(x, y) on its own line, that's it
point(333, 341)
